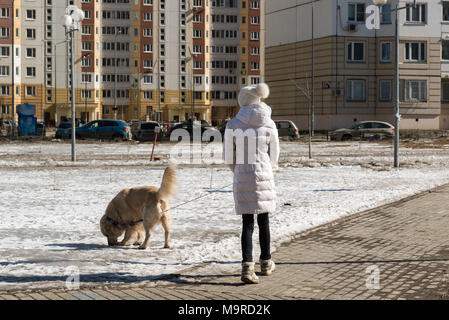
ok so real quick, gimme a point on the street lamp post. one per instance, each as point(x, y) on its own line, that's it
point(71, 21)
point(119, 31)
point(397, 115)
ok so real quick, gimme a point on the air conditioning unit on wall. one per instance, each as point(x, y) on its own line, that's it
point(352, 27)
point(337, 91)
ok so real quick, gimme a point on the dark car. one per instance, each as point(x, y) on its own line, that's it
point(286, 128)
point(145, 131)
point(103, 129)
point(364, 129)
point(40, 129)
point(204, 126)
point(222, 127)
point(62, 129)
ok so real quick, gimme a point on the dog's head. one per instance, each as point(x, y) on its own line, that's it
point(111, 231)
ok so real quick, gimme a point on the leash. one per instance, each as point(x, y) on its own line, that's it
point(197, 198)
point(115, 223)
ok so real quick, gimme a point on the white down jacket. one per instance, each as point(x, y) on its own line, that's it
point(252, 152)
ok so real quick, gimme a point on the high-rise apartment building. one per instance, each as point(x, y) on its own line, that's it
point(354, 66)
point(165, 60)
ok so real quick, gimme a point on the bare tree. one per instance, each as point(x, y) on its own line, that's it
point(307, 92)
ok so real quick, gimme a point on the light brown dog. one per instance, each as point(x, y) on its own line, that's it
point(137, 211)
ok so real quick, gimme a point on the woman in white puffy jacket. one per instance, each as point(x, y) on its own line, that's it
point(251, 149)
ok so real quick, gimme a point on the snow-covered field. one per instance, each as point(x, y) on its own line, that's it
point(50, 209)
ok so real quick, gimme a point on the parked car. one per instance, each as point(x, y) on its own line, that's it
point(364, 129)
point(102, 129)
point(41, 132)
point(62, 129)
point(287, 128)
point(222, 127)
point(189, 127)
point(145, 131)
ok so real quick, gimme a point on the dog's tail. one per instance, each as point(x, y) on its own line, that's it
point(168, 183)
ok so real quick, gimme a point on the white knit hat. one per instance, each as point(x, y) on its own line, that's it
point(251, 94)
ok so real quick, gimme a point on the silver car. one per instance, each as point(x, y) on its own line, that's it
point(364, 129)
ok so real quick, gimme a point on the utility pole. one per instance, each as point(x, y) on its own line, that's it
point(313, 75)
point(71, 21)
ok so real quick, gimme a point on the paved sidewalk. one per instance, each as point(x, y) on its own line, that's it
point(406, 242)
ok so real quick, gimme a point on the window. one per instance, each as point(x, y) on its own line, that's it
point(86, 94)
point(255, 20)
point(197, 65)
point(4, 109)
point(148, 64)
point(197, 80)
point(86, 30)
point(86, 46)
point(87, 14)
point(385, 90)
point(147, 79)
point(415, 90)
point(4, 51)
point(31, 52)
point(4, 13)
point(147, 32)
point(445, 49)
point(148, 48)
point(415, 51)
point(196, 18)
point(148, 95)
point(355, 90)
point(31, 33)
point(86, 78)
point(197, 3)
point(4, 32)
point(4, 71)
point(85, 62)
point(255, 35)
point(255, 66)
point(198, 95)
point(416, 14)
point(148, 16)
point(255, 80)
point(147, 2)
point(386, 13)
point(197, 49)
point(4, 90)
point(30, 71)
point(356, 12)
point(255, 51)
point(445, 91)
point(445, 11)
point(255, 5)
point(197, 33)
point(385, 52)
point(30, 91)
point(356, 52)
point(31, 15)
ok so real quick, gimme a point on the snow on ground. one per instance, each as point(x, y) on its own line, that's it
point(50, 215)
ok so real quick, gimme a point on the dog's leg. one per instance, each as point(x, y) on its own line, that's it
point(165, 220)
point(140, 236)
point(150, 220)
point(129, 232)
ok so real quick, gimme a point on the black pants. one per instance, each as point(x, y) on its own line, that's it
point(247, 236)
